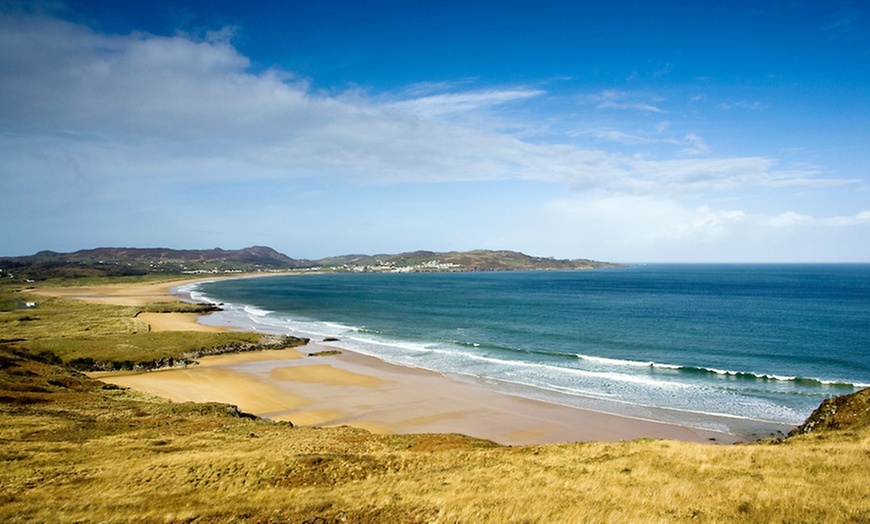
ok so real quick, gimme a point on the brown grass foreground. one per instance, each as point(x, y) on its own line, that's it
point(73, 450)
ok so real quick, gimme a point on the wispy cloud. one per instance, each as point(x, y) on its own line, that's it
point(744, 104)
point(464, 102)
point(695, 145)
point(849, 23)
point(610, 99)
point(691, 144)
point(711, 175)
point(619, 137)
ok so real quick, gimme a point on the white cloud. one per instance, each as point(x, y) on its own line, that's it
point(177, 106)
point(692, 144)
point(609, 99)
point(619, 137)
point(451, 103)
point(744, 104)
point(708, 175)
point(662, 126)
point(861, 218)
point(654, 229)
point(92, 122)
point(789, 219)
point(695, 145)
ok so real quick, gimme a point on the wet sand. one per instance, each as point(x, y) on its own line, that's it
point(361, 391)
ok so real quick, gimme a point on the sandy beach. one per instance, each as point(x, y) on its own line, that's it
point(138, 295)
point(120, 294)
point(362, 391)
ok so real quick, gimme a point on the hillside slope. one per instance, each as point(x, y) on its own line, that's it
point(839, 413)
point(114, 261)
point(75, 450)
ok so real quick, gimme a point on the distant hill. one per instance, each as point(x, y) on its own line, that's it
point(259, 256)
point(478, 260)
point(256, 256)
point(113, 261)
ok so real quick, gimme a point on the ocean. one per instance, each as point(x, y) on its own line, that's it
point(724, 347)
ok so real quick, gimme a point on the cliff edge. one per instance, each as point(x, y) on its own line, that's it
point(845, 412)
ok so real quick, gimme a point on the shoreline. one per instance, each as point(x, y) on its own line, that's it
point(366, 392)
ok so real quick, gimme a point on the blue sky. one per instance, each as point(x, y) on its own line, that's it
point(625, 131)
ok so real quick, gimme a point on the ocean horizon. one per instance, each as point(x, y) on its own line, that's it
point(723, 347)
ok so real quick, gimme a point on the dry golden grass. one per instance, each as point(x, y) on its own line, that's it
point(72, 329)
point(57, 316)
point(72, 450)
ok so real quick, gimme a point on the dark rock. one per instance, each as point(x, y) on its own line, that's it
point(234, 411)
point(326, 353)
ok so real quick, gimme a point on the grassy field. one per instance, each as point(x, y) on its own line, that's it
point(75, 450)
point(95, 336)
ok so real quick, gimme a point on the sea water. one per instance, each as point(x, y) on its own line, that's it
point(719, 347)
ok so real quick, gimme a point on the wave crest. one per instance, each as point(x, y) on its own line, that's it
point(723, 373)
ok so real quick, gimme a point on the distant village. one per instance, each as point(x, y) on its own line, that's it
point(430, 266)
point(391, 267)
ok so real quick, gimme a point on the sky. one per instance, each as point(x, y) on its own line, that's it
point(625, 131)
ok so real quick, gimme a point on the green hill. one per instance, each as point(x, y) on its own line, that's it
point(478, 260)
point(115, 262)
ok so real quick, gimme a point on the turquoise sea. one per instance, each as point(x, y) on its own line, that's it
point(724, 347)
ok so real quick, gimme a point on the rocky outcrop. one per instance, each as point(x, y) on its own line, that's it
point(838, 413)
point(267, 342)
point(234, 411)
point(325, 353)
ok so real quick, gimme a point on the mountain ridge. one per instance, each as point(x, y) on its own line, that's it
point(127, 261)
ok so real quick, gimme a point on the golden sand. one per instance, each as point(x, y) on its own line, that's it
point(327, 375)
point(176, 322)
point(355, 390)
point(211, 384)
point(119, 294)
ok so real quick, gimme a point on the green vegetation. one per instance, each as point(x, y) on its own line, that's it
point(130, 262)
point(178, 307)
point(58, 317)
point(478, 260)
point(125, 351)
point(73, 449)
point(92, 337)
point(93, 266)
